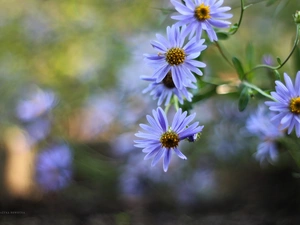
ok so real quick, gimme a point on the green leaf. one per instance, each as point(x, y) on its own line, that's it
point(233, 28)
point(222, 36)
point(238, 67)
point(247, 6)
point(279, 60)
point(277, 75)
point(244, 99)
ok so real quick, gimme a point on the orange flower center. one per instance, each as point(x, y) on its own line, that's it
point(169, 139)
point(295, 105)
point(175, 56)
point(202, 12)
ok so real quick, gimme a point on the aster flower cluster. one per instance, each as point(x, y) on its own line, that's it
point(176, 66)
point(177, 69)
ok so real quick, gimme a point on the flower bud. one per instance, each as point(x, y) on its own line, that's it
point(297, 17)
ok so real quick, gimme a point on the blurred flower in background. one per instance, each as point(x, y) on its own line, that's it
point(36, 103)
point(54, 167)
point(228, 129)
point(268, 59)
point(260, 125)
point(34, 112)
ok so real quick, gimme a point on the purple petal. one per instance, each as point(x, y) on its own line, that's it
point(158, 156)
point(167, 159)
point(179, 153)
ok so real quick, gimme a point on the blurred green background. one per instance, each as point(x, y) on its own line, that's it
point(89, 53)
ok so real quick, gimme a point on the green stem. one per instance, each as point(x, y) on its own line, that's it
point(174, 101)
point(223, 54)
point(176, 105)
point(285, 61)
point(241, 17)
point(252, 86)
point(167, 108)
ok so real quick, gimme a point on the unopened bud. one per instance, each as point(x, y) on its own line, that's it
point(297, 17)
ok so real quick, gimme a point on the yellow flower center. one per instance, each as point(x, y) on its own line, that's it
point(169, 139)
point(202, 12)
point(175, 56)
point(168, 81)
point(295, 105)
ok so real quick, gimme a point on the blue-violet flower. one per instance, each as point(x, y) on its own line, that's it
point(54, 167)
point(202, 15)
point(160, 139)
point(175, 57)
point(287, 104)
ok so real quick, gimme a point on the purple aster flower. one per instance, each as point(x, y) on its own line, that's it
point(54, 167)
point(260, 125)
point(164, 90)
point(175, 57)
point(160, 139)
point(287, 104)
point(38, 103)
point(202, 15)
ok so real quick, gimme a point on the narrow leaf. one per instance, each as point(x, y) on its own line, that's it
point(244, 99)
point(277, 75)
point(222, 36)
point(233, 28)
point(278, 60)
point(238, 67)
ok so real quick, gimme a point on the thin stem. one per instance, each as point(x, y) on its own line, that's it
point(174, 102)
point(223, 54)
point(252, 86)
point(241, 17)
point(285, 61)
point(167, 108)
point(176, 105)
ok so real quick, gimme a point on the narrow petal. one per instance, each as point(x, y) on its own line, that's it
point(297, 84)
point(219, 23)
point(159, 46)
point(158, 156)
point(179, 153)
point(151, 154)
point(289, 83)
point(181, 8)
point(162, 119)
point(161, 72)
point(167, 159)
